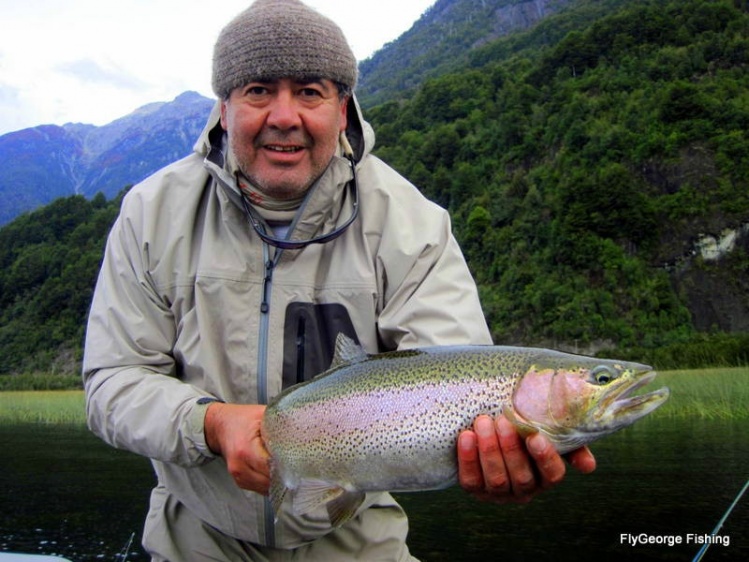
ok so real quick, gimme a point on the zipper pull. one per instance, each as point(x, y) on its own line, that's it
point(265, 305)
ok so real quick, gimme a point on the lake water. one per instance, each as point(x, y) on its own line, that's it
point(64, 492)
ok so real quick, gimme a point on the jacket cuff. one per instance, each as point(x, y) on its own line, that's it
point(196, 426)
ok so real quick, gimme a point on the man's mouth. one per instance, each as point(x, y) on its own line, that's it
point(277, 148)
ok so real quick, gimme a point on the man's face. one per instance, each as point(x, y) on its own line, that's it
point(283, 133)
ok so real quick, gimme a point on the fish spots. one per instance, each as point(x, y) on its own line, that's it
point(391, 421)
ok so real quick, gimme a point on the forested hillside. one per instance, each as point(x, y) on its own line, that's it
point(586, 177)
point(450, 31)
point(581, 175)
point(49, 260)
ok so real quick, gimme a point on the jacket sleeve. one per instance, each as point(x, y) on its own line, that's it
point(429, 296)
point(133, 399)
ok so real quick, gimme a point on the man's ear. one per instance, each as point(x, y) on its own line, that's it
point(223, 114)
point(344, 113)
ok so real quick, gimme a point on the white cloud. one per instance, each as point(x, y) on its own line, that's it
point(87, 71)
point(93, 61)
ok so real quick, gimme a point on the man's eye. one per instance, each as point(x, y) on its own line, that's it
point(256, 91)
point(309, 92)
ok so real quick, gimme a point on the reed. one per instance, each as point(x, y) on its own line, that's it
point(43, 407)
point(719, 393)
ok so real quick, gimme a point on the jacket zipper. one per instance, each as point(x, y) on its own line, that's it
point(262, 370)
point(267, 281)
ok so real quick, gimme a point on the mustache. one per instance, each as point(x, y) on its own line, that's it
point(285, 138)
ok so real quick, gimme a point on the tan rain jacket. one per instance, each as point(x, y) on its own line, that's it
point(191, 303)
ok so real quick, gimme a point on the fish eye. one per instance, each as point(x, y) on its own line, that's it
point(602, 374)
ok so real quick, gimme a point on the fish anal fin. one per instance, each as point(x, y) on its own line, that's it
point(347, 351)
point(311, 494)
point(343, 508)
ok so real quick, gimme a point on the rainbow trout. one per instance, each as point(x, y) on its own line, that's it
point(390, 422)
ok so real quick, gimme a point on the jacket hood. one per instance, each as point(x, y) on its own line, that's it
point(359, 133)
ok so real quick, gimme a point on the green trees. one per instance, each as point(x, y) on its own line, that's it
point(578, 162)
point(50, 259)
point(570, 169)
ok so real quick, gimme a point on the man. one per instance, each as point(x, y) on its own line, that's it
point(227, 277)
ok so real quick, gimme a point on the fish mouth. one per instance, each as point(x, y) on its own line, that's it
point(608, 411)
point(618, 407)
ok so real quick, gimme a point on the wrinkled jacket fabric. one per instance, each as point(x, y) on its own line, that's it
point(176, 314)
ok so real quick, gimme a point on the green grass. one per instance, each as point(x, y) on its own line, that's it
point(42, 406)
point(719, 393)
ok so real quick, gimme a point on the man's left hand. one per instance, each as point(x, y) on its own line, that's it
point(496, 464)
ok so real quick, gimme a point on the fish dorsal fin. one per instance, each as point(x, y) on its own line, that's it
point(312, 494)
point(347, 351)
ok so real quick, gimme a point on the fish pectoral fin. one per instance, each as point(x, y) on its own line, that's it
point(311, 494)
point(343, 508)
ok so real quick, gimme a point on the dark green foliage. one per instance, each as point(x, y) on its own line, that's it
point(571, 167)
point(719, 350)
point(49, 262)
point(41, 381)
point(580, 160)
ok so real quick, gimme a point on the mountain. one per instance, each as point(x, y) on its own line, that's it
point(594, 165)
point(597, 183)
point(43, 163)
point(451, 31)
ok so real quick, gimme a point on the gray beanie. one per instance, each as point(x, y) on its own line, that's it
point(280, 39)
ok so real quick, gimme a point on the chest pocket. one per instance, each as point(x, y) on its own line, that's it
point(310, 332)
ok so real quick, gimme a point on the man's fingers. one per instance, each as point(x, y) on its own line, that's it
point(549, 464)
point(470, 476)
point(582, 460)
point(496, 477)
point(519, 469)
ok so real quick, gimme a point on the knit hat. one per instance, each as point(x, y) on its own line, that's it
point(280, 39)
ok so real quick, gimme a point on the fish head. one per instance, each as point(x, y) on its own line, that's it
point(575, 400)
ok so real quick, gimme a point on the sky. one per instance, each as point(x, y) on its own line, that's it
point(93, 61)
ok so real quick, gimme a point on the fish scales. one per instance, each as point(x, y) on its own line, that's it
point(390, 422)
point(410, 405)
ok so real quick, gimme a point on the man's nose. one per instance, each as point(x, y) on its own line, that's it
point(283, 112)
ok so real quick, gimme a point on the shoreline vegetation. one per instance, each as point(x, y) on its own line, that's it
point(707, 394)
point(701, 351)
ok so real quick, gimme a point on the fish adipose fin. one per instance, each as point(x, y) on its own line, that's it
point(347, 351)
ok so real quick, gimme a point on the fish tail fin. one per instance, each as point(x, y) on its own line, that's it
point(312, 494)
point(278, 490)
point(343, 508)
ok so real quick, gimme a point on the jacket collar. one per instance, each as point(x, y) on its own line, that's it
point(325, 205)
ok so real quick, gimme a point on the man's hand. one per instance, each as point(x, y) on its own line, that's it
point(496, 464)
point(233, 431)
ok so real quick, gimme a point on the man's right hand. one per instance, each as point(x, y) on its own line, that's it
point(233, 432)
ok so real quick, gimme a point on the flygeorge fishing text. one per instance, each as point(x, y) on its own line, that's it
point(672, 540)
